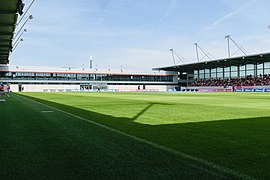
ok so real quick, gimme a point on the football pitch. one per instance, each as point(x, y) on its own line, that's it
point(135, 136)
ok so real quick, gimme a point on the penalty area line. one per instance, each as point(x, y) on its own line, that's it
point(161, 147)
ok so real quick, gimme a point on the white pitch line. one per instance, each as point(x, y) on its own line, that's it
point(47, 111)
point(164, 148)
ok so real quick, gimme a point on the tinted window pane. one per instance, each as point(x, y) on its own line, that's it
point(234, 74)
point(250, 66)
point(267, 65)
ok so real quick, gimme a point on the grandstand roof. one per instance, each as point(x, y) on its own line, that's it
point(9, 10)
point(234, 61)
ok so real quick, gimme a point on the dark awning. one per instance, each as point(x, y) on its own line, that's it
point(226, 62)
point(9, 10)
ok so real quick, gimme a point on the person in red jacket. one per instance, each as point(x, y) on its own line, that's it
point(8, 90)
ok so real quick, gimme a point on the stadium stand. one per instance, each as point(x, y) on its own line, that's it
point(262, 80)
point(246, 73)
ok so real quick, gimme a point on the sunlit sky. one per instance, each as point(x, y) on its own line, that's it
point(137, 34)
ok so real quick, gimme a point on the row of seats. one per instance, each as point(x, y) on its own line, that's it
point(249, 80)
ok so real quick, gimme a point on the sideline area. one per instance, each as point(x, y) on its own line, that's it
point(39, 142)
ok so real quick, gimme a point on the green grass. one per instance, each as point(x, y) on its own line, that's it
point(229, 129)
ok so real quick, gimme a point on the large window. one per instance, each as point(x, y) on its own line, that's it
point(201, 74)
point(260, 69)
point(242, 68)
point(219, 70)
point(266, 71)
point(267, 65)
point(196, 74)
point(219, 73)
point(43, 76)
point(207, 73)
point(214, 73)
point(260, 72)
point(62, 76)
point(234, 68)
point(227, 73)
point(7, 75)
point(250, 69)
point(250, 73)
point(92, 77)
point(234, 71)
point(99, 77)
point(260, 66)
point(234, 74)
point(71, 76)
point(250, 66)
point(242, 71)
point(267, 68)
point(25, 75)
point(82, 77)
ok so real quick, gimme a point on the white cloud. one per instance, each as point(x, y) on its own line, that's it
point(227, 16)
point(169, 10)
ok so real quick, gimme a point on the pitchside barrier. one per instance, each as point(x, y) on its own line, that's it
point(102, 90)
point(252, 90)
point(215, 90)
point(228, 89)
point(136, 90)
point(60, 90)
point(207, 89)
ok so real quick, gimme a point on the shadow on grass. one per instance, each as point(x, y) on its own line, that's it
point(150, 105)
point(239, 144)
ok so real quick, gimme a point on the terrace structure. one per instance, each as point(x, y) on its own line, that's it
point(227, 69)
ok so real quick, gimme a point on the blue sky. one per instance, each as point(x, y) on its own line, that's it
point(137, 34)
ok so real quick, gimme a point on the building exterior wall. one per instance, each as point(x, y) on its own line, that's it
point(77, 88)
point(153, 88)
point(44, 88)
point(46, 79)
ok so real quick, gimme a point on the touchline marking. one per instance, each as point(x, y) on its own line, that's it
point(46, 111)
point(164, 148)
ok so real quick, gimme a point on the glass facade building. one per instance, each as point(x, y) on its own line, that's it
point(233, 71)
point(40, 79)
point(84, 77)
point(235, 67)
